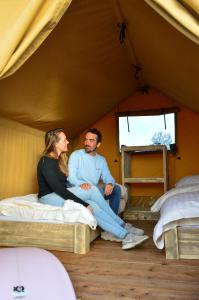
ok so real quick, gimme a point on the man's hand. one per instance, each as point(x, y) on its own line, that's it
point(85, 186)
point(108, 189)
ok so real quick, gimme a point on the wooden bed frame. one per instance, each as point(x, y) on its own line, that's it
point(52, 236)
point(182, 242)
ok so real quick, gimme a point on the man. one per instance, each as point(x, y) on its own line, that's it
point(87, 168)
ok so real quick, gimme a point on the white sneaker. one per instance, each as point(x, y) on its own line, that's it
point(131, 229)
point(131, 240)
point(107, 236)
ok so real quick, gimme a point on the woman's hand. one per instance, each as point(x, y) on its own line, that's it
point(85, 186)
point(90, 209)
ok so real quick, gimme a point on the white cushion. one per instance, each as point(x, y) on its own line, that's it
point(187, 180)
point(124, 198)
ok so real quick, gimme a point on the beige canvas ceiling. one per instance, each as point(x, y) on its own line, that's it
point(82, 70)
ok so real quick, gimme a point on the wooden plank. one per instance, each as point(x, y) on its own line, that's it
point(138, 208)
point(139, 213)
point(188, 242)
point(109, 273)
point(81, 239)
point(165, 169)
point(83, 236)
point(125, 164)
point(151, 148)
point(143, 201)
point(188, 233)
point(182, 242)
point(144, 180)
point(46, 235)
point(135, 269)
point(140, 282)
point(171, 244)
point(52, 236)
point(189, 250)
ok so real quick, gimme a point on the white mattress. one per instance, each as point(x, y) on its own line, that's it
point(8, 218)
point(27, 208)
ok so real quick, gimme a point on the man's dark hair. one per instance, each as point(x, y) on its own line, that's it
point(97, 132)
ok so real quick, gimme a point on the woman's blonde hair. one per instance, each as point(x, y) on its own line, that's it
point(51, 138)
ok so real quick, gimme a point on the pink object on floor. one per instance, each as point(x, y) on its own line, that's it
point(38, 271)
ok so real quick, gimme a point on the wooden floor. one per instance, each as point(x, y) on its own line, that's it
point(109, 273)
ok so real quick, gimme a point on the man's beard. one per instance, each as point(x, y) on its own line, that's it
point(87, 150)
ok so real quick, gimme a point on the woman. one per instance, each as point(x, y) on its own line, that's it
point(54, 190)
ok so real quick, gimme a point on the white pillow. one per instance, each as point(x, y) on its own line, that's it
point(187, 180)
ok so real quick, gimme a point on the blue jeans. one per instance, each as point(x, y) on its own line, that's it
point(114, 199)
point(104, 215)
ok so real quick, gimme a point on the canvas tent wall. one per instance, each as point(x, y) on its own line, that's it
point(83, 64)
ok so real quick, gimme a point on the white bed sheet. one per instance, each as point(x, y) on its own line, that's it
point(26, 208)
point(175, 191)
point(178, 209)
point(14, 219)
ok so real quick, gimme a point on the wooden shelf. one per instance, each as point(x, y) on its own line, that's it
point(138, 149)
point(139, 212)
point(144, 180)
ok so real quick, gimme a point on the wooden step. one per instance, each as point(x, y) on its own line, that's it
point(138, 208)
point(140, 213)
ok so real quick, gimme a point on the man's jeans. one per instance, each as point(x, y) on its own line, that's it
point(114, 198)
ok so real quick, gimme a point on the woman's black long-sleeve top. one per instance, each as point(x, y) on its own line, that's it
point(51, 179)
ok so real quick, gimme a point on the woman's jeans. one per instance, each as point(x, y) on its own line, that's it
point(104, 215)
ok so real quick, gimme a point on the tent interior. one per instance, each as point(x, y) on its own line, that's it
point(101, 58)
